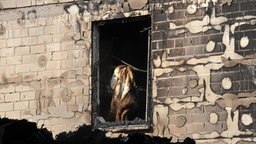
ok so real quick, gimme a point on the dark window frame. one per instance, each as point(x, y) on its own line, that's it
point(95, 97)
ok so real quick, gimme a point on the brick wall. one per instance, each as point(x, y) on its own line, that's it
point(203, 59)
point(204, 70)
point(45, 60)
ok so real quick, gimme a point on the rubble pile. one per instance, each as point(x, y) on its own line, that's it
point(25, 132)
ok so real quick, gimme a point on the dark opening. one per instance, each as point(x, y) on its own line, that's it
point(122, 40)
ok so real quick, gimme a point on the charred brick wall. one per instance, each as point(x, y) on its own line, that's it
point(45, 58)
point(204, 69)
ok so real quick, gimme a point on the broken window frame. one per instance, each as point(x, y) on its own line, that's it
point(95, 100)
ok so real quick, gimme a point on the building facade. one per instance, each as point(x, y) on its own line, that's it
point(198, 60)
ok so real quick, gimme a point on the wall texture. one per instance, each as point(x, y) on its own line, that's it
point(203, 55)
point(45, 58)
point(204, 69)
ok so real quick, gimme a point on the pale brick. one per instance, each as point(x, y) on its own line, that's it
point(9, 70)
point(36, 67)
point(52, 65)
point(14, 42)
point(53, 47)
point(8, 89)
point(77, 91)
point(29, 59)
point(41, 21)
point(7, 52)
point(44, 39)
point(8, 4)
point(30, 95)
point(14, 60)
point(13, 114)
point(3, 61)
point(36, 31)
point(32, 104)
point(22, 51)
point(23, 3)
point(3, 43)
point(67, 45)
point(14, 25)
point(2, 114)
point(60, 55)
point(26, 114)
point(65, 0)
point(37, 49)
point(50, 1)
point(39, 2)
point(6, 107)
point(29, 40)
point(12, 97)
point(22, 88)
point(66, 64)
point(9, 33)
point(21, 105)
point(57, 37)
point(52, 29)
point(20, 32)
point(22, 68)
point(1, 98)
point(29, 76)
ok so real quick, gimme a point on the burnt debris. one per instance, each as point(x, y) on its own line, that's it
point(25, 132)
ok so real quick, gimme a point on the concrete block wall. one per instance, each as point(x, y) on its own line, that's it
point(45, 60)
point(203, 59)
point(204, 70)
point(44, 72)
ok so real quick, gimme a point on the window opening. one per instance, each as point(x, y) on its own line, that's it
point(121, 45)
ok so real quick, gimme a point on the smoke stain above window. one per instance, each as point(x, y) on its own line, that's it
point(121, 73)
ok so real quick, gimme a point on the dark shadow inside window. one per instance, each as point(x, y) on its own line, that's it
point(122, 41)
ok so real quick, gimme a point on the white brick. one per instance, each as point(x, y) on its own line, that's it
point(6, 107)
point(39, 2)
point(23, 3)
point(8, 3)
point(60, 55)
point(65, 0)
point(52, 65)
point(14, 60)
point(7, 52)
point(22, 51)
point(29, 59)
point(57, 37)
point(1, 98)
point(12, 97)
point(2, 114)
point(36, 31)
point(29, 40)
point(22, 88)
point(36, 67)
point(29, 76)
point(44, 39)
point(37, 49)
point(30, 95)
point(8, 89)
point(13, 114)
point(22, 68)
point(20, 32)
point(53, 47)
point(9, 70)
point(3, 43)
point(14, 42)
point(21, 105)
point(32, 104)
point(67, 45)
point(3, 61)
point(52, 29)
